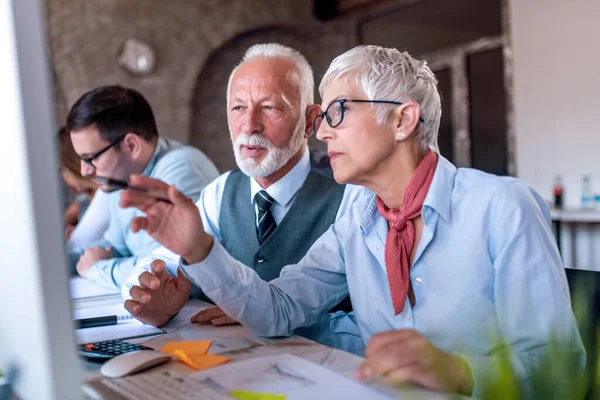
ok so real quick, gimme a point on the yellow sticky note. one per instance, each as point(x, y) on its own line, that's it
point(241, 395)
point(200, 362)
point(198, 348)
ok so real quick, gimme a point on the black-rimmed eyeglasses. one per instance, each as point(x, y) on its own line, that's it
point(335, 115)
point(88, 160)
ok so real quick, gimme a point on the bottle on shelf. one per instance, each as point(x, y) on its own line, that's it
point(558, 191)
point(587, 197)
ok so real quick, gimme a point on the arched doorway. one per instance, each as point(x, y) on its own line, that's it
point(209, 131)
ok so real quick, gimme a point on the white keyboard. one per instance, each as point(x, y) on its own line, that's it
point(153, 386)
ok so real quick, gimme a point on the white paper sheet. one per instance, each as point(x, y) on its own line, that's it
point(192, 308)
point(101, 311)
point(285, 374)
point(80, 288)
point(126, 329)
point(225, 343)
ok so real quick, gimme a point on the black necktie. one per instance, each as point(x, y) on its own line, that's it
point(266, 222)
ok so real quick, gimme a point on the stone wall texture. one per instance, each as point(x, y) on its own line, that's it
point(197, 43)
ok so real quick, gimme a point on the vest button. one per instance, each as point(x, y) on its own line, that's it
point(260, 259)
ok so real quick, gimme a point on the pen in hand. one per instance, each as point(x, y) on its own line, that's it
point(100, 321)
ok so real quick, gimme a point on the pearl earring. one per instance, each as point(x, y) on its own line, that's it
point(401, 134)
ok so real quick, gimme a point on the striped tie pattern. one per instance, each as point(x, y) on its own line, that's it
point(266, 222)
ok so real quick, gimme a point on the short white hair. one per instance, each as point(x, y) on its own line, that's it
point(388, 74)
point(304, 74)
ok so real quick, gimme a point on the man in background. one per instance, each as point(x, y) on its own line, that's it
point(114, 133)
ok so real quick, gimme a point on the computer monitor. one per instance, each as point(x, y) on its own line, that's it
point(36, 334)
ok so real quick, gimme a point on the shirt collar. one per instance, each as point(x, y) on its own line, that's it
point(440, 191)
point(161, 146)
point(285, 188)
point(438, 197)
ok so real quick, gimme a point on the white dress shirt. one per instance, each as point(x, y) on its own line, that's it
point(284, 191)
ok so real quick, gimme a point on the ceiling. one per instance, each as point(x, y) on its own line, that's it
point(429, 25)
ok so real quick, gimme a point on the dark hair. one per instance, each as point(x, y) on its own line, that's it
point(114, 111)
point(68, 158)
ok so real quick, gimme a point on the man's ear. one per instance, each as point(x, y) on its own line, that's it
point(132, 145)
point(311, 113)
point(406, 119)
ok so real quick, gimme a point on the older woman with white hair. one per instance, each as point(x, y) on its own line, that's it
point(442, 264)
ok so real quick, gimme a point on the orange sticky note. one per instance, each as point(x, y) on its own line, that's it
point(200, 362)
point(198, 348)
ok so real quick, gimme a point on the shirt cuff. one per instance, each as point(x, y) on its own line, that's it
point(214, 272)
point(99, 273)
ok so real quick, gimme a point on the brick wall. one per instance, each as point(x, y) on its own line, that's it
point(197, 43)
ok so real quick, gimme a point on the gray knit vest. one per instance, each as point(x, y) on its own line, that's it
point(311, 214)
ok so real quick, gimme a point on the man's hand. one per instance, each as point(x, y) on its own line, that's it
point(405, 356)
point(90, 257)
point(213, 315)
point(159, 296)
point(176, 225)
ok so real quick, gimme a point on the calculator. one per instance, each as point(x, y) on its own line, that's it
point(103, 351)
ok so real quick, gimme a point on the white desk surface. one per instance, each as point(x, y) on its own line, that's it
point(335, 360)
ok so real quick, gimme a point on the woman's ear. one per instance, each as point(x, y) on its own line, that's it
point(406, 119)
point(311, 113)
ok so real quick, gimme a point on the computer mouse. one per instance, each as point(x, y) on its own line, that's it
point(135, 361)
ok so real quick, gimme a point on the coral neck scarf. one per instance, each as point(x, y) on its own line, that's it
point(401, 235)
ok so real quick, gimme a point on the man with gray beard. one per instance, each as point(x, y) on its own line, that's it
point(282, 199)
